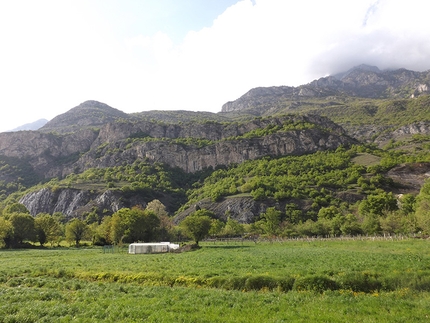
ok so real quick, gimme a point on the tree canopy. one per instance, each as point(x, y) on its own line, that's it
point(198, 224)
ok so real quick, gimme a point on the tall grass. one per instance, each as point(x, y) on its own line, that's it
point(319, 281)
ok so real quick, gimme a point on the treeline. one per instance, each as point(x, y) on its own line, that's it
point(380, 213)
point(18, 228)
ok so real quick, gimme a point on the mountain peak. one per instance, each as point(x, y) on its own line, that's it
point(358, 68)
point(93, 104)
point(88, 114)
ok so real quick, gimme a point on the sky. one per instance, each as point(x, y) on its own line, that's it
point(141, 55)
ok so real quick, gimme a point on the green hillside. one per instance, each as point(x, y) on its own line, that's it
point(306, 161)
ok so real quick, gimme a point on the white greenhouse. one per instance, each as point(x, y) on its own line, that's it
point(152, 247)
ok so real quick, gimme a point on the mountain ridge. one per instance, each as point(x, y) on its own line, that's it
point(265, 123)
point(35, 125)
point(90, 113)
point(362, 81)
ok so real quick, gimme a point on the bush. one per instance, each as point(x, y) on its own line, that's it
point(260, 282)
point(251, 283)
point(419, 281)
point(216, 282)
point(286, 284)
point(234, 283)
point(317, 283)
point(360, 282)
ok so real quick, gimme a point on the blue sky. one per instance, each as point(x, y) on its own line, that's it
point(147, 17)
point(138, 55)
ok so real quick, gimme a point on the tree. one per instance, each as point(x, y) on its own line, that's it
point(197, 224)
point(423, 209)
point(6, 232)
point(118, 225)
point(307, 228)
point(15, 208)
point(166, 224)
point(407, 204)
point(135, 224)
point(23, 227)
point(259, 194)
point(143, 225)
point(378, 204)
point(393, 223)
point(216, 227)
point(371, 224)
point(350, 225)
point(271, 221)
point(233, 228)
point(48, 228)
point(328, 213)
point(103, 232)
point(157, 207)
point(76, 230)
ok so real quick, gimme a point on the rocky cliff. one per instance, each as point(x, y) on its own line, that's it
point(243, 209)
point(57, 155)
point(362, 81)
point(193, 158)
point(46, 153)
point(77, 203)
point(192, 147)
point(224, 143)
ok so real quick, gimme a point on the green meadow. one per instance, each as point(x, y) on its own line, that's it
point(291, 281)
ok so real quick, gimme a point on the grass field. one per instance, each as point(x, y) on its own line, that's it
point(292, 281)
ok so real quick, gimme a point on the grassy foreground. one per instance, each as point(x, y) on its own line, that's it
point(293, 281)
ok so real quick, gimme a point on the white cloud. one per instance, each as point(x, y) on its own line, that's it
point(57, 54)
point(393, 35)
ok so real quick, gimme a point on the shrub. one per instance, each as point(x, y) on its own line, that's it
point(260, 282)
point(317, 283)
point(236, 283)
point(216, 282)
point(286, 284)
point(419, 281)
point(360, 282)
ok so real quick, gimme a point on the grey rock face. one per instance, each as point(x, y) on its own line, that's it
point(404, 132)
point(225, 149)
point(242, 209)
point(53, 155)
point(39, 202)
point(46, 152)
point(74, 203)
point(361, 81)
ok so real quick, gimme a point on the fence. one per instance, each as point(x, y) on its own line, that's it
point(310, 239)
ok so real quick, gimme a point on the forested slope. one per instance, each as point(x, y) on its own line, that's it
point(341, 155)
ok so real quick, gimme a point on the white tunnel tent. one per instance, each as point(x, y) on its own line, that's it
point(153, 247)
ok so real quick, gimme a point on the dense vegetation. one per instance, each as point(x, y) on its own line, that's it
point(380, 112)
point(16, 175)
point(310, 191)
point(353, 111)
point(328, 193)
